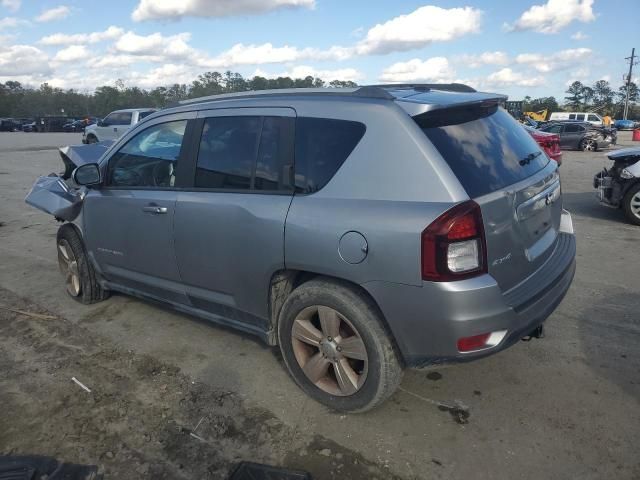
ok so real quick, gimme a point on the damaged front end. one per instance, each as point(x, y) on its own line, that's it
point(614, 182)
point(57, 194)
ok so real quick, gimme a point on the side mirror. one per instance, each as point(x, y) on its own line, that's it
point(88, 174)
point(101, 123)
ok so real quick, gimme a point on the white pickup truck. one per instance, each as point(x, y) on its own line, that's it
point(115, 124)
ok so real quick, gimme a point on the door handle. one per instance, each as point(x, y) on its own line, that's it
point(155, 210)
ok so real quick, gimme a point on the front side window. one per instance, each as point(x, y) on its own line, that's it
point(593, 118)
point(109, 119)
point(553, 129)
point(149, 159)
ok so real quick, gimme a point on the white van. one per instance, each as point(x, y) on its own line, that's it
point(592, 118)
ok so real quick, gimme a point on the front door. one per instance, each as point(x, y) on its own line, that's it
point(113, 126)
point(229, 228)
point(128, 222)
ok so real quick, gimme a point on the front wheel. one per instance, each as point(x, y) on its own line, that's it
point(79, 275)
point(631, 204)
point(336, 348)
point(92, 139)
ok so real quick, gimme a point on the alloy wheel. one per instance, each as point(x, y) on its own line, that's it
point(329, 350)
point(589, 146)
point(69, 267)
point(635, 204)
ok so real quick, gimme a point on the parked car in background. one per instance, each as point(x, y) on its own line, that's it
point(592, 118)
point(420, 224)
point(10, 125)
point(624, 124)
point(619, 185)
point(114, 125)
point(550, 143)
point(30, 127)
point(77, 125)
point(578, 135)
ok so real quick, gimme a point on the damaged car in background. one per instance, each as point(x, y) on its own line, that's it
point(619, 185)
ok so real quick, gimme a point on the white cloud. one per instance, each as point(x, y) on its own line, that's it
point(57, 13)
point(435, 69)
point(579, 36)
point(18, 60)
point(112, 61)
point(554, 15)
point(303, 71)
point(12, 22)
point(562, 60)
point(421, 27)
point(486, 58)
point(11, 5)
point(507, 77)
point(110, 33)
point(73, 53)
point(176, 9)
point(155, 44)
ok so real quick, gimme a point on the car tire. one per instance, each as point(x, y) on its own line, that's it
point(80, 277)
point(631, 204)
point(92, 139)
point(588, 145)
point(353, 382)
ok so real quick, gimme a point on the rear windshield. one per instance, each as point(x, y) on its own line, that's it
point(484, 146)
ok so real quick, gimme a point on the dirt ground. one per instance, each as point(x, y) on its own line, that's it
point(176, 397)
point(140, 415)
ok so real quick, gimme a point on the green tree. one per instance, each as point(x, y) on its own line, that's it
point(603, 96)
point(575, 95)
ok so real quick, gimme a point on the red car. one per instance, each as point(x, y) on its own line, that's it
point(550, 143)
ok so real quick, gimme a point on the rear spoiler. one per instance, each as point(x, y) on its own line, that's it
point(416, 105)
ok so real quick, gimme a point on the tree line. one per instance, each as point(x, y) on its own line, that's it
point(20, 101)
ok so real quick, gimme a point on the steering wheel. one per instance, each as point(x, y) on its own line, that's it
point(162, 173)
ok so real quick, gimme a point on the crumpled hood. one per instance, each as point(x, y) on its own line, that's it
point(75, 155)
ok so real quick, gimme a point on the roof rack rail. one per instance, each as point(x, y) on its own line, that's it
point(366, 91)
point(449, 87)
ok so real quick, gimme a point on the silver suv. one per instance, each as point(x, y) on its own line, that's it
point(361, 230)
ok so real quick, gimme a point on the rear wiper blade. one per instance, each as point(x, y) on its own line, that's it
point(532, 156)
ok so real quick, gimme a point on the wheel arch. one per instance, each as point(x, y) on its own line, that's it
point(285, 281)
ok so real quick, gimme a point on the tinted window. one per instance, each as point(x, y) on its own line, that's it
point(109, 119)
point(228, 149)
point(142, 115)
point(572, 116)
point(322, 146)
point(484, 146)
point(572, 128)
point(580, 116)
point(275, 154)
point(593, 118)
point(149, 159)
point(553, 129)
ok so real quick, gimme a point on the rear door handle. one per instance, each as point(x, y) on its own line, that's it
point(154, 209)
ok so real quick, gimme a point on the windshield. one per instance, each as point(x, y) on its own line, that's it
point(484, 146)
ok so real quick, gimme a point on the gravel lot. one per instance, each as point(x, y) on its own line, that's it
point(563, 407)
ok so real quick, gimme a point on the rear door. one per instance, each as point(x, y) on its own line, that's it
point(229, 228)
point(503, 169)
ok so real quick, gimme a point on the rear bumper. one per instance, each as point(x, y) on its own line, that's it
point(427, 321)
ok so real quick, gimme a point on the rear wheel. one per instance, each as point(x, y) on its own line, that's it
point(335, 347)
point(631, 204)
point(79, 276)
point(589, 145)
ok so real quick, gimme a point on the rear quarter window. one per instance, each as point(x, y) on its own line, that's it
point(322, 146)
point(484, 146)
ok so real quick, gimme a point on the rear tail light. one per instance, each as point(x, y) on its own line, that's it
point(453, 246)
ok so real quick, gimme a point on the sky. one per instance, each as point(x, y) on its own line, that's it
point(513, 47)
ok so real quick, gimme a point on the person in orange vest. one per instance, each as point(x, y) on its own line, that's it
point(607, 121)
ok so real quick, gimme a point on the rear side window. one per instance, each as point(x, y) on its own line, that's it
point(142, 115)
point(580, 117)
point(245, 153)
point(322, 146)
point(572, 116)
point(484, 146)
point(572, 128)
